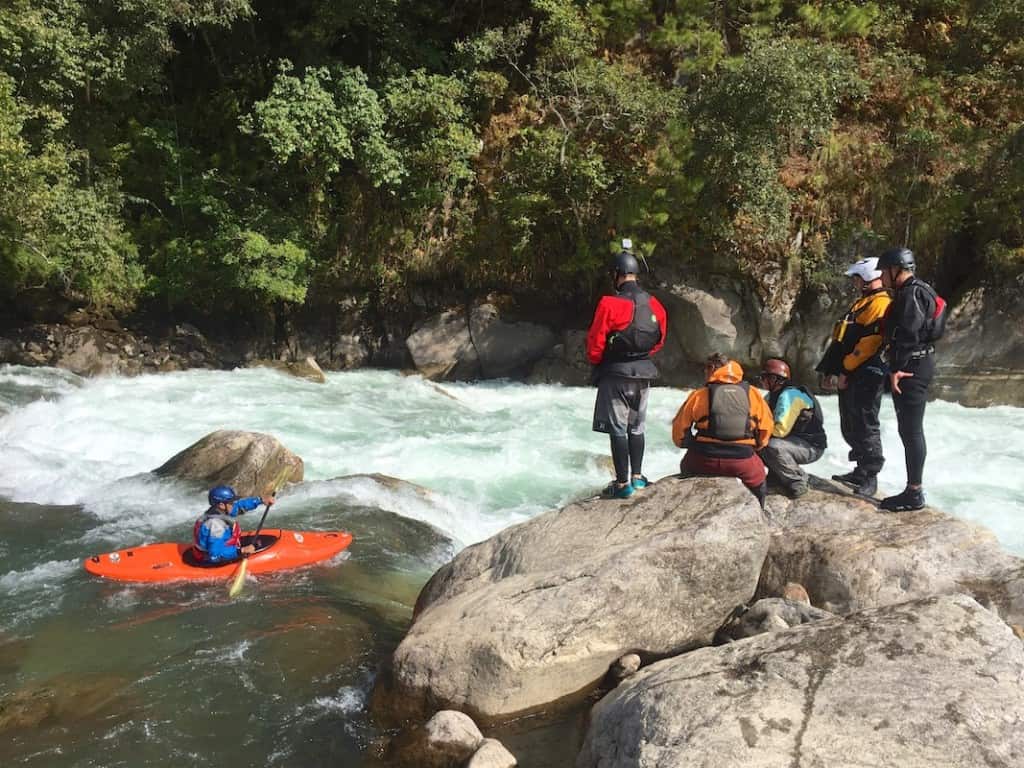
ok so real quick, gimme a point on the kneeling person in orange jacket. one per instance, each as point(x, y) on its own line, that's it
point(722, 425)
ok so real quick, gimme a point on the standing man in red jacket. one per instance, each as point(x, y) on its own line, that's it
point(627, 329)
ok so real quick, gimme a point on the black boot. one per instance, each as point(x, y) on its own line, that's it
point(910, 499)
point(868, 486)
point(854, 478)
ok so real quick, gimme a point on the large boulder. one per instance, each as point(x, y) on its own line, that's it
point(506, 348)
point(250, 462)
point(980, 360)
point(927, 684)
point(85, 351)
point(442, 347)
point(539, 611)
point(564, 363)
point(456, 345)
point(721, 314)
point(850, 556)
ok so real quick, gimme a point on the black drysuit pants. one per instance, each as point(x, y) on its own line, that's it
point(910, 414)
point(859, 404)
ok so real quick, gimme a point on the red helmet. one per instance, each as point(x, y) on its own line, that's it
point(773, 366)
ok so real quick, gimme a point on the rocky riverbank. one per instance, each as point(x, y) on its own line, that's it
point(906, 650)
point(980, 361)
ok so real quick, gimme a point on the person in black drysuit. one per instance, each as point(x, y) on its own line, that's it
point(909, 331)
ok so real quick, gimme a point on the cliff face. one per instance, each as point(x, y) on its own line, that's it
point(980, 361)
point(981, 357)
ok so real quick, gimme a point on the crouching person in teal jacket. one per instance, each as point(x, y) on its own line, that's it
point(799, 433)
point(217, 536)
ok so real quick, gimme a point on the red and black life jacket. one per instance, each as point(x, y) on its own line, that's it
point(636, 340)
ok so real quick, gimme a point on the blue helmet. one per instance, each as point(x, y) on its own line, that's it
point(222, 494)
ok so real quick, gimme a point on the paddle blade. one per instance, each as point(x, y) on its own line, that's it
point(239, 580)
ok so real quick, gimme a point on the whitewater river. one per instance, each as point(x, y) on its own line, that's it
point(100, 674)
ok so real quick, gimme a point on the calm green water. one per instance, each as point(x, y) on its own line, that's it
point(100, 674)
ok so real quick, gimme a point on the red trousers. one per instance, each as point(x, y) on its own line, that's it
point(750, 471)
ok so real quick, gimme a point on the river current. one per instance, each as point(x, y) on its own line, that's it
point(99, 674)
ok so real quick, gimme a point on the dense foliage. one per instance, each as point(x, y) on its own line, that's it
point(251, 154)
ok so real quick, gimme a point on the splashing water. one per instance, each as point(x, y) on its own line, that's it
point(136, 671)
point(494, 453)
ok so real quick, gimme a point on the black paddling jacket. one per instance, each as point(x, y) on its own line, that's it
point(908, 324)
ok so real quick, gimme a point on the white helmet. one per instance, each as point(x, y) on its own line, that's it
point(866, 269)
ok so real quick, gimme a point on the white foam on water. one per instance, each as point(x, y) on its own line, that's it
point(41, 577)
point(346, 701)
point(492, 453)
point(233, 653)
point(456, 521)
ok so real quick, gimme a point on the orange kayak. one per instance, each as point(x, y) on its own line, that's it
point(277, 550)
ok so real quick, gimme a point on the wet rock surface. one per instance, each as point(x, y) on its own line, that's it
point(935, 682)
point(541, 610)
point(250, 462)
point(850, 556)
point(447, 740)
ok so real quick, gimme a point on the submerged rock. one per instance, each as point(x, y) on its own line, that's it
point(302, 369)
point(447, 740)
point(61, 700)
point(924, 684)
point(849, 556)
point(13, 652)
point(540, 611)
point(250, 462)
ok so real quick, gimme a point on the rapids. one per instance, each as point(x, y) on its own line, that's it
point(94, 673)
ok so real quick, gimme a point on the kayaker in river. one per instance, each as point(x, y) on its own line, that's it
point(217, 535)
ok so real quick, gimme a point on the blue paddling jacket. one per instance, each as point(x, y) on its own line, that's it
point(217, 536)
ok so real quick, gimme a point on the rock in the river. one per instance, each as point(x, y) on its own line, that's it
point(457, 345)
point(565, 362)
point(62, 700)
point(935, 683)
point(250, 462)
point(506, 348)
point(492, 754)
point(442, 348)
point(303, 369)
point(447, 740)
point(539, 611)
point(849, 556)
point(84, 352)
